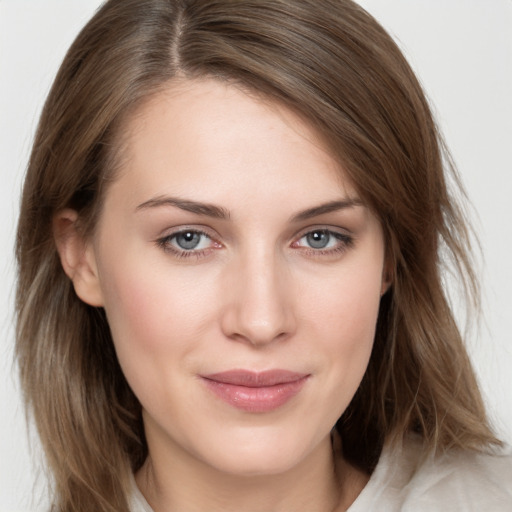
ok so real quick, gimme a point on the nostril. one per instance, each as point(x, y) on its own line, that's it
point(258, 306)
point(243, 324)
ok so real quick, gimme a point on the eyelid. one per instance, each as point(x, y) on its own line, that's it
point(336, 230)
point(199, 228)
point(344, 236)
point(163, 241)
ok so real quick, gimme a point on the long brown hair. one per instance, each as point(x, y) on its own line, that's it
point(332, 63)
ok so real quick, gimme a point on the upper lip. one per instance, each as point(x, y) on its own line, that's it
point(254, 379)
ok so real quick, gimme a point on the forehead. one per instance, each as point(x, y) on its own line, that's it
point(211, 136)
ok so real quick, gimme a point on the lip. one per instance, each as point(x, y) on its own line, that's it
point(256, 391)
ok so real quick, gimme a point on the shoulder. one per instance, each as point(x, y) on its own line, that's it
point(464, 480)
point(457, 481)
point(136, 500)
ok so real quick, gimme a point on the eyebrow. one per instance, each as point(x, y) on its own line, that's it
point(217, 212)
point(206, 209)
point(331, 206)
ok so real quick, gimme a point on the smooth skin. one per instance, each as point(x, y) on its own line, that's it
point(231, 239)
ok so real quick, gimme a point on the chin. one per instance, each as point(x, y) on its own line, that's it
point(260, 452)
point(257, 464)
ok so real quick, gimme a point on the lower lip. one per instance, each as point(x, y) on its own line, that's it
point(256, 399)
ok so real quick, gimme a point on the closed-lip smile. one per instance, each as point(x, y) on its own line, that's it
point(256, 392)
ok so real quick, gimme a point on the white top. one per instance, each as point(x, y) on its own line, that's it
point(403, 482)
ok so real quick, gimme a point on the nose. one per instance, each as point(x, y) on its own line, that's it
point(259, 308)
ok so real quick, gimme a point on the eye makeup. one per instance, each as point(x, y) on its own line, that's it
point(188, 242)
point(193, 242)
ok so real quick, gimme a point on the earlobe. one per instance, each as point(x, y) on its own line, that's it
point(77, 257)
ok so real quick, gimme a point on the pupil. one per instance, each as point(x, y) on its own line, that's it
point(188, 240)
point(318, 239)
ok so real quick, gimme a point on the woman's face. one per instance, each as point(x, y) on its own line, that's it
point(241, 277)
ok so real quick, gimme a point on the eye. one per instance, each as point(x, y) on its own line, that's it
point(190, 240)
point(318, 239)
point(187, 242)
point(321, 241)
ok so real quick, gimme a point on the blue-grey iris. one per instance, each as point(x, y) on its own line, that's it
point(188, 240)
point(318, 239)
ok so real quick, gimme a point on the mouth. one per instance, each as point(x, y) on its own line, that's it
point(256, 392)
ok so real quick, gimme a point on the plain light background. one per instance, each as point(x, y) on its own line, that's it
point(462, 52)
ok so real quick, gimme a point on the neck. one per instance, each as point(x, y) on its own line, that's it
point(183, 483)
point(323, 481)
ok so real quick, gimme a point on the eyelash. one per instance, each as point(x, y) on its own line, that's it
point(165, 244)
point(345, 240)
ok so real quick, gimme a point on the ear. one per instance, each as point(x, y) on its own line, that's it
point(77, 257)
point(387, 277)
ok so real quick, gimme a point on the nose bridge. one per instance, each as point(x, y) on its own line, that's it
point(261, 308)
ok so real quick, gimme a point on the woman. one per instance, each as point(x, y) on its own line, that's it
point(236, 299)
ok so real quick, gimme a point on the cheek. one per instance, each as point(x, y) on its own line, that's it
point(344, 318)
point(156, 317)
point(134, 309)
point(154, 322)
point(149, 306)
point(347, 305)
